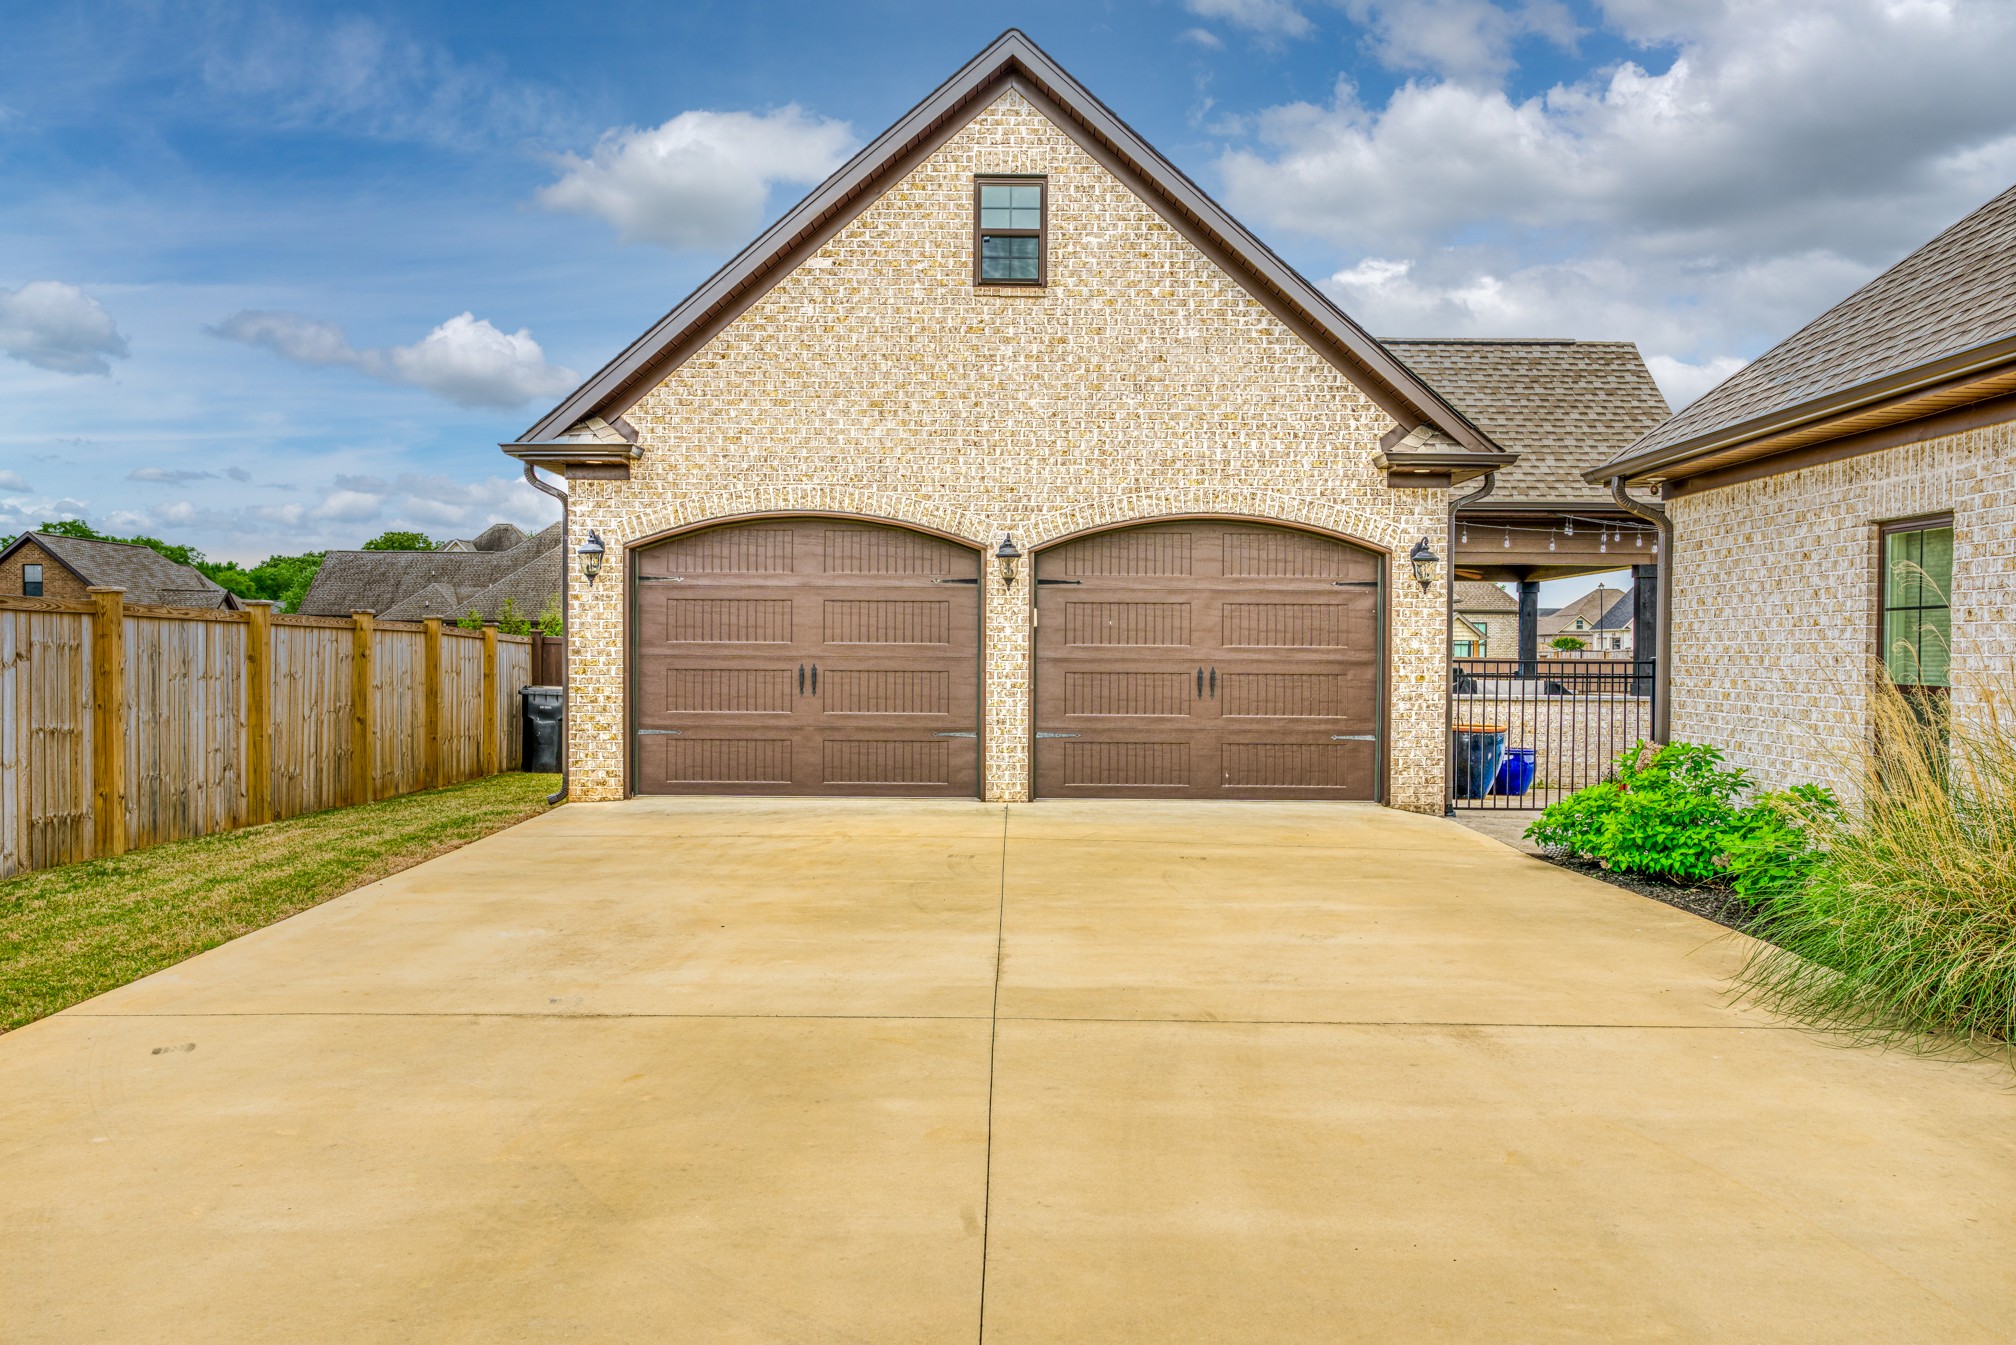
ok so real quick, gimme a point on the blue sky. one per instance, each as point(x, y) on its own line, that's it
point(280, 277)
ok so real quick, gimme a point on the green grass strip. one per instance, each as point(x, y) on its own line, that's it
point(69, 933)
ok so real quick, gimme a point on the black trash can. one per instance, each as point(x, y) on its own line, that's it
point(541, 734)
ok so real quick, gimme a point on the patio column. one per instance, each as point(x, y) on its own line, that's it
point(1644, 627)
point(1529, 628)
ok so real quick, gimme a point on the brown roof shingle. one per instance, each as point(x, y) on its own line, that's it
point(1955, 293)
point(407, 585)
point(145, 574)
point(1474, 595)
point(1562, 406)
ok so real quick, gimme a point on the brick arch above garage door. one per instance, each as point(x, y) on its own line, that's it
point(805, 656)
point(1208, 659)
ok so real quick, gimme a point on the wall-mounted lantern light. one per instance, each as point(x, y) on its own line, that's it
point(1424, 561)
point(1008, 553)
point(591, 555)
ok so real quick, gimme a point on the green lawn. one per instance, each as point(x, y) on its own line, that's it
point(70, 933)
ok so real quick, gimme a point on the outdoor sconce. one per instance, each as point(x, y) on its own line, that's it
point(591, 555)
point(1424, 561)
point(1007, 553)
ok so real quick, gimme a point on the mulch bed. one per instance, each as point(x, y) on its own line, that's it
point(1710, 903)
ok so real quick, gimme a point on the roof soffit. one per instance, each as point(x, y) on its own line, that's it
point(1012, 60)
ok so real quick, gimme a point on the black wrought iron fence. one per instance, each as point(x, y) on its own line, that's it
point(1526, 736)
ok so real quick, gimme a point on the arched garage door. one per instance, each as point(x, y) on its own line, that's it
point(1207, 660)
point(806, 656)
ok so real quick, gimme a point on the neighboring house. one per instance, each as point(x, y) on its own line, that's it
point(38, 565)
point(1492, 613)
point(1009, 316)
point(452, 581)
point(1600, 618)
point(1850, 490)
point(1469, 640)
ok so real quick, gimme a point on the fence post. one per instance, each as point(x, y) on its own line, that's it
point(430, 714)
point(108, 720)
point(361, 716)
point(488, 765)
point(258, 711)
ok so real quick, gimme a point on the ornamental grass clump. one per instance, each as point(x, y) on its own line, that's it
point(1906, 925)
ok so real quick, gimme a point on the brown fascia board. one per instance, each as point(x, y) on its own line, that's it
point(562, 452)
point(1673, 459)
point(1395, 388)
point(1456, 464)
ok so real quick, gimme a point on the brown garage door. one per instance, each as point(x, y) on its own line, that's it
point(806, 656)
point(1207, 660)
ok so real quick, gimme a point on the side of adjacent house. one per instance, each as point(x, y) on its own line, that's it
point(42, 565)
point(1008, 464)
point(1853, 491)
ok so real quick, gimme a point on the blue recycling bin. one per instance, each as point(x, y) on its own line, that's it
point(1479, 749)
point(1515, 772)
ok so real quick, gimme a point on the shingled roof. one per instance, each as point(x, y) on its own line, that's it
point(1563, 406)
point(1598, 609)
point(145, 574)
point(1950, 300)
point(409, 585)
point(1474, 595)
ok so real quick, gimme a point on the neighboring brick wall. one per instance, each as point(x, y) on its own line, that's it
point(57, 582)
point(1795, 556)
point(878, 381)
point(1501, 633)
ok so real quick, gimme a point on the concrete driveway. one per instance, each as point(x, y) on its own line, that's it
point(755, 1071)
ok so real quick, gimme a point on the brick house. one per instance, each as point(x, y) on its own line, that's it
point(1489, 618)
point(1600, 618)
point(39, 565)
point(1008, 464)
point(1853, 490)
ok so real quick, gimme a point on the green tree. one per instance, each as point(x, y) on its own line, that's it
point(1568, 642)
point(474, 621)
point(550, 620)
point(511, 621)
point(400, 541)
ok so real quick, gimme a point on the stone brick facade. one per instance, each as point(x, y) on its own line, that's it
point(875, 379)
point(57, 581)
point(1796, 556)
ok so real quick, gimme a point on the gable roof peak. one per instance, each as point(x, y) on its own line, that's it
point(1013, 56)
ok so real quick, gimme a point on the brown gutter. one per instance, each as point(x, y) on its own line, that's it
point(1662, 665)
point(1449, 643)
point(566, 663)
point(1665, 459)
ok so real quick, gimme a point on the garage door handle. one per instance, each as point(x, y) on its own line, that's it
point(815, 679)
point(1214, 684)
point(801, 679)
point(1200, 684)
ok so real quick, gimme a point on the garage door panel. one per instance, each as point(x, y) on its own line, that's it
point(805, 656)
point(1208, 660)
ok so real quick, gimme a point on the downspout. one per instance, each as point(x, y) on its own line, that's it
point(1662, 667)
point(1456, 502)
point(566, 663)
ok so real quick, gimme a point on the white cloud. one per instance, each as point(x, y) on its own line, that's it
point(169, 476)
point(701, 180)
point(1271, 19)
point(1785, 154)
point(1683, 382)
point(56, 326)
point(1203, 37)
point(465, 359)
point(1459, 40)
point(12, 481)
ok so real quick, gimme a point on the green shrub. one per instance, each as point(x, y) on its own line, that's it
point(474, 621)
point(1676, 812)
point(510, 621)
point(551, 623)
point(1906, 924)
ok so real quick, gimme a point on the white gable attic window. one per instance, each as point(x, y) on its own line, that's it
point(31, 581)
point(1010, 231)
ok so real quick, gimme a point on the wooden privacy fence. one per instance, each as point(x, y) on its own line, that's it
point(125, 726)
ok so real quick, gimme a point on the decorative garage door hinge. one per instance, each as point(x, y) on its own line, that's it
point(1354, 583)
point(661, 578)
point(659, 733)
point(1354, 737)
point(955, 581)
point(1056, 735)
point(956, 734)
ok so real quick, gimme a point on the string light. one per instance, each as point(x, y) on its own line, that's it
point(1466, 534)
point(1508, 536)
point(1571, 527)
point(1550, 539)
